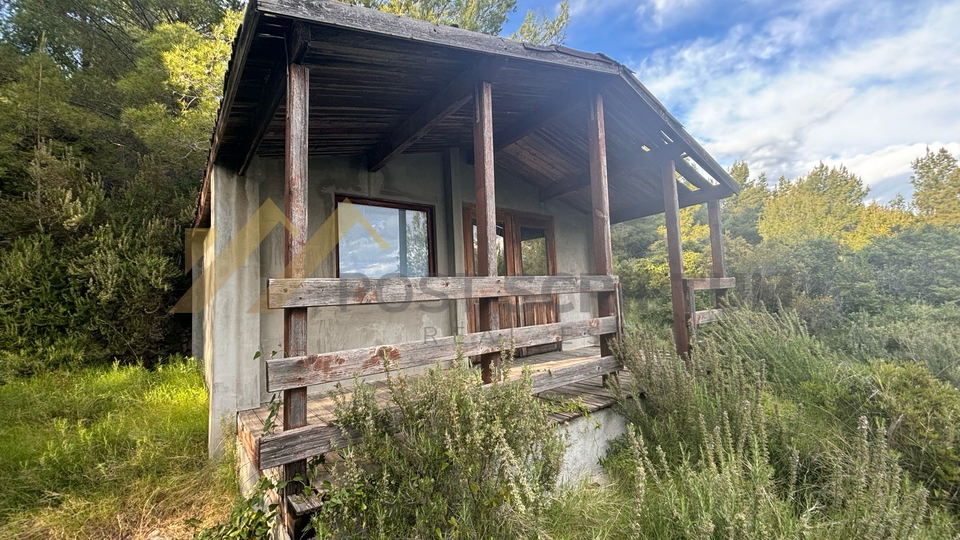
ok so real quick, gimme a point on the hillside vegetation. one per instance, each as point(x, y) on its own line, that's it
point(827, 407)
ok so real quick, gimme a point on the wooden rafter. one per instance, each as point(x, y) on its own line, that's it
point(436, 109)
point(685, 198)
point(531, 123)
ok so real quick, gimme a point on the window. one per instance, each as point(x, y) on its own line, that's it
point(406, 228)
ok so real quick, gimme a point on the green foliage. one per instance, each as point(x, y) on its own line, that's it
point(252, 518)
point(824, 204)
point(741, 213)
point(917, 333)
point(86, 271)
point(936, 183)
point(107, 452)
point(445, 458)
point(539, 29)
point(706, 459)
point(919, 264)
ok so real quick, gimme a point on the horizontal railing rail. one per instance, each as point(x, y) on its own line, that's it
point(314, 439)
point(326, 292)
point(314, 369)
point(710, 284)
point(302, 371)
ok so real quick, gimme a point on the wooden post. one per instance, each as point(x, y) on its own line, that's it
point(295, 320)
point(671, 207)
point(716, 248)
point(486, 213)
point(600, 199)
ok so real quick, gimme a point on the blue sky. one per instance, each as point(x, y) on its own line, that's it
point(784, 85)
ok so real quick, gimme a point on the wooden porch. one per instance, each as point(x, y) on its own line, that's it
point(552, 373)
point(328, 79)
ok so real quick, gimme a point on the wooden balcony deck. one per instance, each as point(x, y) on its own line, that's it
point(320, 407)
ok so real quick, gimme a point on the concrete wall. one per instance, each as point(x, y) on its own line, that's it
point(230, 332)
point(588, 439)
point(231, 336)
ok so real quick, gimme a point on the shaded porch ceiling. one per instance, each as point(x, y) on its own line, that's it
point(381, 85)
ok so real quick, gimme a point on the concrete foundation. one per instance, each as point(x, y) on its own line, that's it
point(588, 439)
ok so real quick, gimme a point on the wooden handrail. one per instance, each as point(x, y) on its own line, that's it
point(710, 284)
point(314, 439)
point(323, 292)
point(296, 372)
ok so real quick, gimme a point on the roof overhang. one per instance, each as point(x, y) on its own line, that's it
point(383, 84)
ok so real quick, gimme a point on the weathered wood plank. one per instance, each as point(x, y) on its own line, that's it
point(435, 110)
point(295, 206)
point(321, 292)
point(532, 122)
point(301, 443)
point(484, 180)
point(274, 93)
point(600, 201)
point(710, 284)
point(707, 316)
point(565, 187)
point(315, 439)
point(690, 198)
point(314, 369)
point(548, 379)
point(716, 248)
point(342, 15)
point(681, 335)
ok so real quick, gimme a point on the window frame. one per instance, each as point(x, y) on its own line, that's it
point(398, 205)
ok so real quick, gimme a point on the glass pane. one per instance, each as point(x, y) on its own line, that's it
point(405, 231)
point(501, 260)
point(533, 251)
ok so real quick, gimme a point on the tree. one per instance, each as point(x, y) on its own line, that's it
point(936, 183)
point(741, 212)
point(827, 203)
point(487, 16)
point(540, 29)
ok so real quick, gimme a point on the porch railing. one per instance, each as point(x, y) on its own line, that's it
point(303, 371)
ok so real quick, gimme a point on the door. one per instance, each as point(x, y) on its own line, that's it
point(525, 247)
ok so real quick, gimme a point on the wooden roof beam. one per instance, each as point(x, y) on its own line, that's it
point(296, 43)
point(674, 152)
point(436, 109)
point(531, 123)
point(686, 198)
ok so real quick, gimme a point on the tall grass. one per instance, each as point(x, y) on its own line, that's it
point(768, 432)
point(112, 452)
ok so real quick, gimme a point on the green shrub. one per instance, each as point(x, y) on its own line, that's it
point(721, 466)
point(918, 333)
point(445, 458)
point(923, 415)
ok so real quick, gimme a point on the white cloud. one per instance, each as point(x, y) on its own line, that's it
point(649, 13)
point(808, 87)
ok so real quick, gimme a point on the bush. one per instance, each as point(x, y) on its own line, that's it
point(722, 466)
point(446, 457)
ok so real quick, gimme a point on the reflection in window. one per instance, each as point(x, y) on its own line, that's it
point(533, 251)
point(501, 260)
point(406, 231)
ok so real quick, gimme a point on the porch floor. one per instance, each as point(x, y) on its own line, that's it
point(589, 393)
point(320, 407)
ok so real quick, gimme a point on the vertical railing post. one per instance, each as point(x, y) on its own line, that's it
point(486, 213)
point(671, 207)
point(295, 320)
point(600, 202)
point(716, 248)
